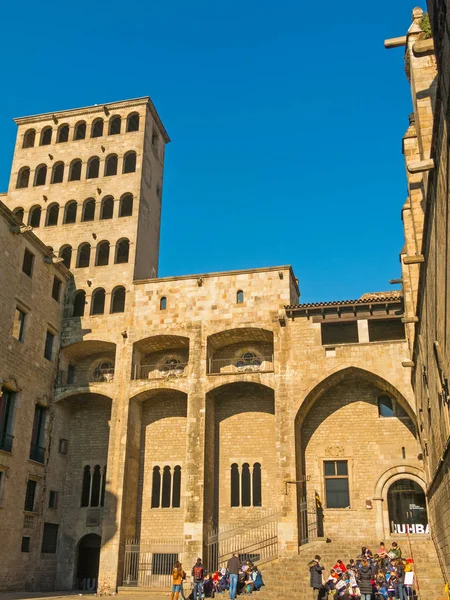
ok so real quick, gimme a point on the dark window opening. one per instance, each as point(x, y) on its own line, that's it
point(166, 482)
point(235, 487)
point(19, 325)
point(66, 254)
point(97, 128)
point(336, 484)
point(48, 349)
point(53, 499)
point(114, 125)
point(75, 170)
point(86, 486)
point(29, 138)
point(80, 131)
point(176, 487)
point(102, 254)
point(52, 215)
point(123, 250)
point(118, 300)
point(245, 478)
point(70, 215)
point(79, 304)
point(156, 487)
point(129, 162)
point(385, 407)
point(107, 210)
point(89, 210)
point(133, 122)
point(28, 262)
point(25, 546)
point(35, 217)
point(93, 168)
point(103, 490)
point(49, 538)
point(18, 213)
point(63, 446)
point(256, 483)
point(98, 302)
point(111, 165)
point(381, 330)
point(30, 496)
point(163, 303)
point(23, 178)
point(41, 175)
point(155, 140)
point(84, 255)
point(96, 486)
point(63, 134)
point(7, 405)
point(56, 288)
point(339, 333)
point(46, 136)
point(239, 297)
point(58, 173)
point(126, 206)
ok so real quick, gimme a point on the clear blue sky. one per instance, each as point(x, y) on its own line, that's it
point(286, 121)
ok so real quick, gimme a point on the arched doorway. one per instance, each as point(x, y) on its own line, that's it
point(88, 560)
point(407, 507)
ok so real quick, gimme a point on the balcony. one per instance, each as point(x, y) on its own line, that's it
point(76, 378)
point(6, 442)
point(248, 363)
point(37, 453)
point(170, 370)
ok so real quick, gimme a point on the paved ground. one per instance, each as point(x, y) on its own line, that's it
point(72, 596)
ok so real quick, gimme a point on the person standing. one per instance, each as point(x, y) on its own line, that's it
point(198, 574)
point(177, 580)
point(315, 577)
point(233, 566)
point(365, 580)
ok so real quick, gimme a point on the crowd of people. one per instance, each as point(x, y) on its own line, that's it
point(237, 577)
point(367, 577)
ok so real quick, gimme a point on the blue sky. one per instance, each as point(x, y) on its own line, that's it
point(286, 122)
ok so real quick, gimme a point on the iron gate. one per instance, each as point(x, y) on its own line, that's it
point(149, 563)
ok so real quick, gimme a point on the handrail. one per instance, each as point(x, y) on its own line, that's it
point(84, 377)
point(158, 371)
point(259, 364)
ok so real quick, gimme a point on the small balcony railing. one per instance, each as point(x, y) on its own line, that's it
point(81, 378)
point(167, 371)
point(6, 442)
point(227, 366)
point(37, 453)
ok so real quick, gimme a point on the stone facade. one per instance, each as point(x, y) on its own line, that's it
point(187, 385)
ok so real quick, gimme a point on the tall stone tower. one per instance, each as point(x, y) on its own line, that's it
point(89, 182)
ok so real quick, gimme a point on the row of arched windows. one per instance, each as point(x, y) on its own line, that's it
point(71, 209)
point(97, 129)
point(98, 302)
point(246, 485)
point(92, 170)
point(166, 489)
point(93, 486)
point(102, 254)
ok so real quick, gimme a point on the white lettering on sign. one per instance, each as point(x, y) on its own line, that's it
point(413, 528)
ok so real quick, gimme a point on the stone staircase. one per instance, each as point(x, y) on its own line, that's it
point(289, 577)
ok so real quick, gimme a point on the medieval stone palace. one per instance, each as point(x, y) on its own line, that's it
point(146, 419)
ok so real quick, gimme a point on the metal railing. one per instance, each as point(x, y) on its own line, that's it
point(160, 371)
point(37, 453)
point(6, 442)
point(225, 366)
point(80, 378)
point(150, 563)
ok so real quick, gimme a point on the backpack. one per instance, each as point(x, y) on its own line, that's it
point(198, 572)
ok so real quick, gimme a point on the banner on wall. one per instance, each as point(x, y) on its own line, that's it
point(413, 528)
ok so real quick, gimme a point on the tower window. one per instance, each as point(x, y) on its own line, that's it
point(52, 215)
point(80, 131)
point(28, 262)
point(88, 210)
point(63, 134)
point(133, 122)
point(75, 170)
point(84, 255)
point(58, 172)
point(25, 546)
point(93, 486)
point(97, 128)
point(123, 251)
point(93, 168)
point(56, 288)
point(34, 218)
point(166, 493)
point(239, 297)
point(7, 409)
point(114, 125)
point(79, 304)
point(163, 303)
point(46, 136)
point(70, 212)
point(66, 254)
point(37, 448)
point(246, 485)
point(107, 209)
point(111, 165)
point(30, 495)
point(23, 178)
point(19, 325)
point(98, 302)
point(40, 175)
point(126, 206)
point(48, 348)
point(102, 254)
point(29, 138)
point(129, 162)
point(118, 300)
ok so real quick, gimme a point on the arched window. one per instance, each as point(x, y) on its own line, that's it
point(52, 215)
point(239, 297)
point(245, 478)
point(97, 128)
point(407, 507)
point(46, 136)
point(129, 162)
point(132, 122)
point(156, 487)
point(235, 491)
point(122, 251)
point(114, 125)
point(34, 217)
point(176, 487)
point(84, 255)
point(126, 205)
point(118, 300)
point(98, 302)
point(58, 172)
point(65, 252)
point(385, 407)
point(256, 485)
point(75, 170)
point(93, 167)
point(102, 258)
point(102, 495)
point(79, 304)
point(111, 165)
point(166, 485)
point(163, 303)
point(63, 134)
point(107, 209)
point(40, 175)
point(19, 212)
point(29, 138)
point(88, 210)
point(70, 212)
point(96, 483)
point(23, 178)
point(86, 486)
point(80, 131)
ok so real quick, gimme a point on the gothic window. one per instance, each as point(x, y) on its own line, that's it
point(63, 134)
point(23, 178)
point(80, 131)
point(75, 170)
point(256, 485)
point(98, 302)
point(235, 486)
point(19, 212)
point(163, 303)
point(34, 218)
point(79, 304)
point(97, 128)
point(86, 487)
point(114, 125)
point(52, 215)
point(84, 255)
point(166, 481)
point(70, 212)
point(239, 297)
point(66, 254)
point(129, 162)
point(126, 205)
point(248, 362)
point(166, 490)
point(156, 487)
point(46, 136)
point(118, 300)
point(133, 122)
point(88, 210)
point(40, 175)
point(111, 165)
point(385, 407)
point(29, 138)
point(96, 486)
point(93, 486)
point(246, 485)
point(122, 252)
point(176, 487)
point(107, 209)
point(93, 167)
point(102, 254)
point(103, 372)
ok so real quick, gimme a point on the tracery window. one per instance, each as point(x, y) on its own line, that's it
point(166, 488)
point(246, 485)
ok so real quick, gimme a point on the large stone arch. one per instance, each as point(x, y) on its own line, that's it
point(160, 357)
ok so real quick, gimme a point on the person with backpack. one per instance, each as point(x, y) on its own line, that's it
point(315, 577)
point(365, 580)
point(233, 567)
point(198, 574)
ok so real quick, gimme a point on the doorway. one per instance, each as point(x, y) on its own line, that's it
point(407, 507)
point(88, 562)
